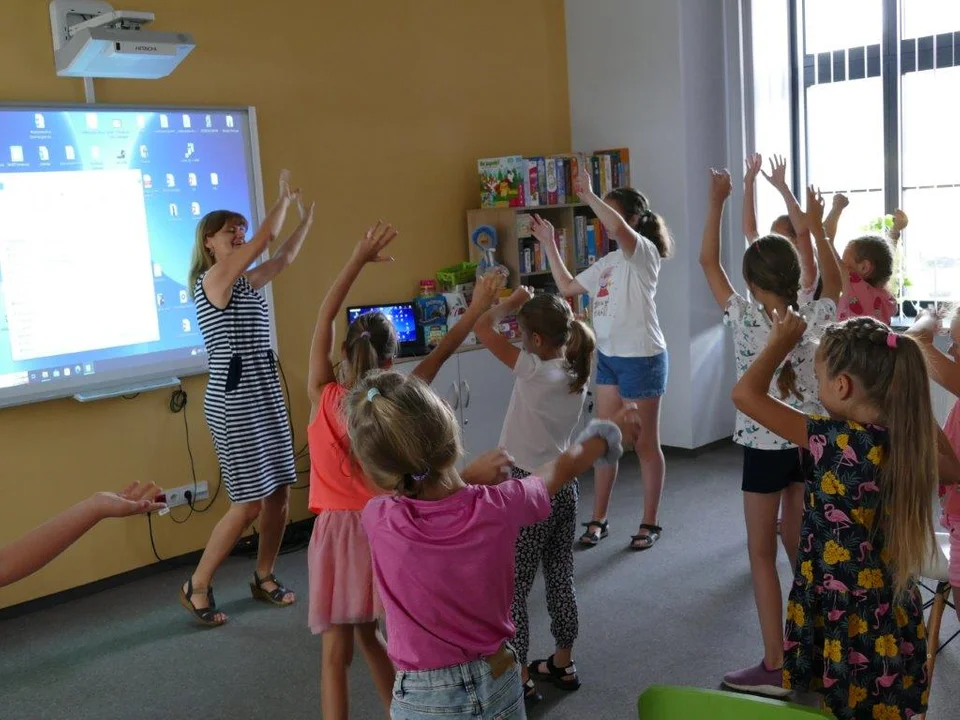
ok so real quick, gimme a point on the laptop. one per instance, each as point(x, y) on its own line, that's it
point(404, 320)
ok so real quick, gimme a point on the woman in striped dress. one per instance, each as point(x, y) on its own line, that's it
point(244, 405)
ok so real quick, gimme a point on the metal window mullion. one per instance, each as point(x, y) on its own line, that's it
point(890, 77)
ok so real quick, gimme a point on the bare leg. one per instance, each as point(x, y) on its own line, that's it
point(379, 663)
point(604, 477)
point(792, 515)
point(336, 654)
point(222, 541)
point(273, 521)
point(760, 512)
point(652, 465)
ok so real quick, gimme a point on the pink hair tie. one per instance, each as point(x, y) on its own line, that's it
point(892, 340)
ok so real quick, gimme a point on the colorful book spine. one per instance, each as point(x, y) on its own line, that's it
point(532, 183)
point(551, 182)
point(561, 180)
point(595, 174)
point(591, 243)
point(542, 178)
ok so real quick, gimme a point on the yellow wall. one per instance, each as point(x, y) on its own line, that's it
point(380, 109)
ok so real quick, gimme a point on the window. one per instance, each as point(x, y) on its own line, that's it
point(879, 91)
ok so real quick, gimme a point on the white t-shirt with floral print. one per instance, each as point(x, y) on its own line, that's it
point(751, 329)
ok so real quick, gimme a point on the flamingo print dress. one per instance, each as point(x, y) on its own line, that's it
point(847, 636)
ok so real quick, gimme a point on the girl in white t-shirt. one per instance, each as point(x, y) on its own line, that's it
point(551, 373)
point(773, 467)
point(632, 358)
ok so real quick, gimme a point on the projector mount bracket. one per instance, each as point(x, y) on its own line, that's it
point(67, 17)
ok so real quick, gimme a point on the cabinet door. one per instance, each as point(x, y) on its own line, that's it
point(485, 388)
point(446, 384)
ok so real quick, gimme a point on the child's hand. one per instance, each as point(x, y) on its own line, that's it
point(720, 186)
point(815, 206)
point(582, 184)
point(521, 296)
point(900, 220)
point(487, 290)
point(374, 241)
point(840, 201)
point(754, 164)
point(778, 172)
point(306, 214)
point(488, 469)
point(788, 330)
point(543, 230)
point(628, 420)
point(925, 327)
point(135, 499)
point(286, 192)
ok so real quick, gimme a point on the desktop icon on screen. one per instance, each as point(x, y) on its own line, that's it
point(147, 182)
point(16, 153)
point(44, 153)
point(186, 120)
point(190, 151)
point(186, 325)
point(39, 122)
point(229, 121)
point(69, 152)
point(195, 208)
point(88, 369)
point(173, 210)
point(171, 182)
point(183, 296)
point(92, 121)
point(144, 152)
point(208, 121)
point(141, 121)
point(214, 179)
point(192, 179)
point(117, 123)
point(164, 122)
point(66, 372)
point(95, 152)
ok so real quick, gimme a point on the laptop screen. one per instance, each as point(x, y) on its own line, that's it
point(401, 315)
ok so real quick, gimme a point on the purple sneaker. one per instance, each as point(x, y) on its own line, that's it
point(758, 680)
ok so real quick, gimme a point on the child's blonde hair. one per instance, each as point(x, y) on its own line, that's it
point(371, 343)
point(893, 375)
point(402, 433)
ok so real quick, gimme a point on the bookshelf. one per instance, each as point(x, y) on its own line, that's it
point(513, 240)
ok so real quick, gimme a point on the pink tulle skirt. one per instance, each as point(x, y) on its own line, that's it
point(342, 589)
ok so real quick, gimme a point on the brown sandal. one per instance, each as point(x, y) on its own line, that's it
point(645, 542)
point(275, 596)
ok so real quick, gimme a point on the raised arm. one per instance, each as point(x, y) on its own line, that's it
point(38, 547)
point(485, 292)
point(778, 178)
point(944, 371)
point(837, 205)
point(829, 262)
point(720, 188)
point(369, 249)
point(751, 394)
point(502, 349)
point(566, 283)
point(754, 163)
point(286, 253)
point(219, 280)
point(614, 223)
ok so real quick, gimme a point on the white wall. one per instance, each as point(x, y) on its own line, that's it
point(651, 76)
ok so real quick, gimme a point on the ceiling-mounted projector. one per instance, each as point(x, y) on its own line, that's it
point(91, 39)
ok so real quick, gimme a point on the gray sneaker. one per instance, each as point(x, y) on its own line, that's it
point(758, 680)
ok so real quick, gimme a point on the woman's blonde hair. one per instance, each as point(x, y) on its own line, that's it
point(403, 435)
point(893, 375)
point(201, 259)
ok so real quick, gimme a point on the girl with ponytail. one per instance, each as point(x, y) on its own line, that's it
point(552, 371)
point(344, 606)
point(867, 523)
point(772, 466)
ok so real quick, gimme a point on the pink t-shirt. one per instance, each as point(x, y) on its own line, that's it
point(951, 497)
point(444, 569)
point(865, 299)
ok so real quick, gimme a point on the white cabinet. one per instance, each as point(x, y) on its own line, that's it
point(477, 386)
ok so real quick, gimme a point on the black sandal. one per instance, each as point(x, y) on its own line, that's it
point(645, 542)
point(207, 615)
point(275, 596)
point(531, 696)
point(596, 531)
point(562, 678)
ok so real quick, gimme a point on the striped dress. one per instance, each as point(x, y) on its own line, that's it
point(244, 404)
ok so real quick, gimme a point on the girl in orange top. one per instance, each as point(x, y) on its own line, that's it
point(344, 606)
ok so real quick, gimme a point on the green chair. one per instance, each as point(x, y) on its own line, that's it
point(662, 702)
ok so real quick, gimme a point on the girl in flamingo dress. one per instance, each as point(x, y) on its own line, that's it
point(854, 630)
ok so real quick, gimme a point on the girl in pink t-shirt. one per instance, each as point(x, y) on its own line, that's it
point(343, 606)
point(945, 371)
point(443, 545)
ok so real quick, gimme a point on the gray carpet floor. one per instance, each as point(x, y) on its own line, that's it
point(681, 613)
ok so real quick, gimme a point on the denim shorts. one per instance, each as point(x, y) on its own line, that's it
point(461, 692)
point(638, 378)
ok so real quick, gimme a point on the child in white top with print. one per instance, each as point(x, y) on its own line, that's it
point(772, 466)
point(632, 362)
point(551, 373)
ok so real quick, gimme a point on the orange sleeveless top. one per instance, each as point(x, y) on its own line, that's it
point(335, 481)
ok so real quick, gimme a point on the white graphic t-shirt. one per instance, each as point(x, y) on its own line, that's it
point(751, 328)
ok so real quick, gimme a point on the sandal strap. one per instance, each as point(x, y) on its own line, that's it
point(652, 528)
point(261, 580)
point(602, 524)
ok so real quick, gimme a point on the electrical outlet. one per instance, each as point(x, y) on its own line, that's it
point(178, 495)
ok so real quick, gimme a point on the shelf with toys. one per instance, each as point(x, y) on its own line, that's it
point(514, 188)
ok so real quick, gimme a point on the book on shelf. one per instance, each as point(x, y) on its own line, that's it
point(532, 257)
point(542, 181)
